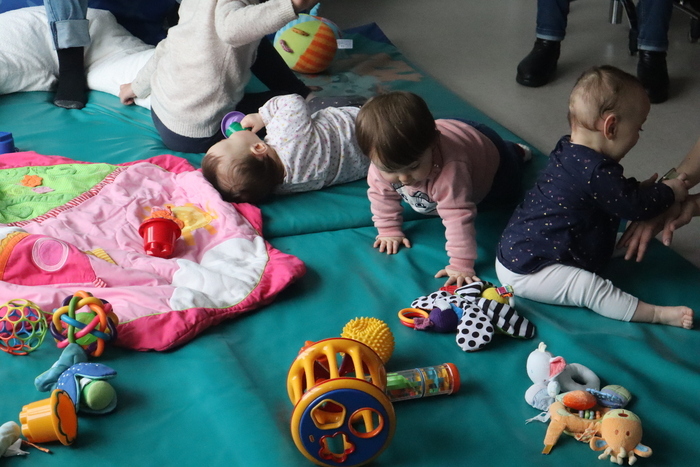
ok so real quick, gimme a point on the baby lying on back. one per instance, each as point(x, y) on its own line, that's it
point(302, 151)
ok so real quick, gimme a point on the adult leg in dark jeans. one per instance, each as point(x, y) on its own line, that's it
point(70, 34)
point(538, 67)
point(272, 71)
point(654, 17)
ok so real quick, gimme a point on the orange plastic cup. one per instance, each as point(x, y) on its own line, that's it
point(159, 236)
point(52, 419)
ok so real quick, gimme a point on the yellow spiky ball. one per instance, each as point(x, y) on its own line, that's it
point(372, 332)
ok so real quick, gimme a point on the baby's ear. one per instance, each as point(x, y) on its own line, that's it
point(259, 149)
point(610, 122)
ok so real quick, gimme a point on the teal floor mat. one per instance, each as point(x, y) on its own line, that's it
point(221, 400)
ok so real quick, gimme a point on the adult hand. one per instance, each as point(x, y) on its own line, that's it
point(638, 234)
point(458, 278)
point(391, 245)
point(126, 94)
point(687, 210)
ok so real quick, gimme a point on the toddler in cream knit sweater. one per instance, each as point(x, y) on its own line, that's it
point(199, 72)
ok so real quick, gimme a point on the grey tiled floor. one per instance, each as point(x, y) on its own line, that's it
point(473, 47)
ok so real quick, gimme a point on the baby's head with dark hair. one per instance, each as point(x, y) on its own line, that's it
point(395, 129)
point(239, 174)
point(600, 90)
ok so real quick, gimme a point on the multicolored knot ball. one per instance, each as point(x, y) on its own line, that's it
point(22, 326)
point(91, 329)
point(372, 332)
point(308, 44)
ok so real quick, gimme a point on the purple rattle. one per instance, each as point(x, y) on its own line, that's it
point(231, 123)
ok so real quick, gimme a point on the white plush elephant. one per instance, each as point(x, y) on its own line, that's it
point(551, 375)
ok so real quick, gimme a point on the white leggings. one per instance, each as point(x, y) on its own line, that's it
point(567, 285)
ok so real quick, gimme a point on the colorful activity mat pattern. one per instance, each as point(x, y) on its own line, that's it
point(221, 399)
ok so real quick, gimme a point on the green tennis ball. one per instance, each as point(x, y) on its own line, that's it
point(97, 395)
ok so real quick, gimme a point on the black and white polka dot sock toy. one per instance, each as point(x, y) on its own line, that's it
point(474, 330)
point(481, 316)
point(502, 315)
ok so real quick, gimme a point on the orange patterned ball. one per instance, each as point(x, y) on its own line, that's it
point(308, 47)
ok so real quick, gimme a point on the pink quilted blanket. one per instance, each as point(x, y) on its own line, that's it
point(67, 226)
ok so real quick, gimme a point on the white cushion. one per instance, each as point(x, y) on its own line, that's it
point(28, 61)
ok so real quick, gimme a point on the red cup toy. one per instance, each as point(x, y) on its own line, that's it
point(159, 236)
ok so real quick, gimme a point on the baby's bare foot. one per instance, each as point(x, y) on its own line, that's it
point(680, 316)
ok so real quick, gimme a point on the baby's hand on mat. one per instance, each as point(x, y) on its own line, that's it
point(254, 122)
point(391, 245)
point(126, 95)
point(458, 278)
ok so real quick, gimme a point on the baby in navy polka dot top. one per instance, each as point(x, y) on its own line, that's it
point(565, 229)
point(302, 151)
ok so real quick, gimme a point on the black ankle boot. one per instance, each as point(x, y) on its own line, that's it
point(537, 69)
point(652, 72)
point(72, 84)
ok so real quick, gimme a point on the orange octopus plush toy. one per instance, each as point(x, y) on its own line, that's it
point(615, 431)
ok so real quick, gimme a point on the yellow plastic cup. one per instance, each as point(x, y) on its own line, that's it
point(52, 419)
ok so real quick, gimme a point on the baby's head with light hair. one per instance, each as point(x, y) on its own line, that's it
point(607, 109)
point(601, 90)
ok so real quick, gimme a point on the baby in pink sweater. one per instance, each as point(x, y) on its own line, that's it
point(439, 167)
